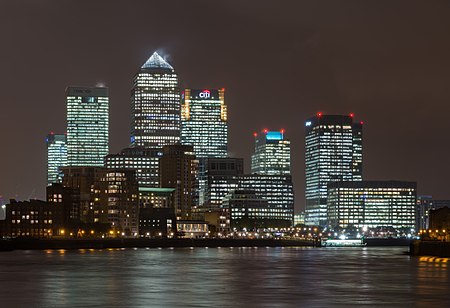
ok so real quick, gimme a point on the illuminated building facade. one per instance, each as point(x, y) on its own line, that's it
point(247, 210)
point(56, 157)
point(87, 126)
point(156, 105)
point(221, 176)
point(333, 152)
point(372, 204)
point(204, 122)
point(145, 162)
point(272, 154)
point(278, 190)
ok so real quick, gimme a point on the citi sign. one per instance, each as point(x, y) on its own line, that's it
point(205, 94)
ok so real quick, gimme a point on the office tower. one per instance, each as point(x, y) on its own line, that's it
point(155, 105)
point(372, 204)
point(278, 190)
point(204, 122)
point(56, 157)
point(247, 210)
point(145, 162)
point(87, 126)
point(178, 169)
point(272, 154)
point(221, 176)
point(333, 153)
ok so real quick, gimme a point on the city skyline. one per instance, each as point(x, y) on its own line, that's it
point(402, 104)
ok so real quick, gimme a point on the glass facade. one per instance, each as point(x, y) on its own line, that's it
point(372, 204)
point(272, 154)
point(156, 105)
point(56, 157)
point(87, 126)
point(204, 122)
point(333, 152)
point(145, 162)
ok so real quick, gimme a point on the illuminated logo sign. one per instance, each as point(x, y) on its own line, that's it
point(308, 123)
point(205, 94)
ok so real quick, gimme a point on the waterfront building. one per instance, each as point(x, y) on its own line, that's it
point(56, 157)
point(204, 122)
point(106, 197)
point(278, 190)
point(179, 169)
point(87, 126)
point(156, 105)
point(118, 197)
point(272, 154)
point(68, 199)
point(84, 183)
point(299, 219)
point(33, 218)
point(372, 204)
point(145, 162)
point(156, 212)
point(249, 211)
point(221, 177)
point(192, 228)
point(425, 204)
point(333, 152)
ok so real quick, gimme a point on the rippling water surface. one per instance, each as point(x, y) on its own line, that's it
point(222, 277)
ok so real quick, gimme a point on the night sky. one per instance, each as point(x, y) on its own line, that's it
point(279, 61)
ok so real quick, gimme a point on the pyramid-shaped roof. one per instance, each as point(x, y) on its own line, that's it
point(155, 61)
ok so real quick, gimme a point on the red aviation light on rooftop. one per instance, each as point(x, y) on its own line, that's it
point(282, 131)
point(265, 130)
point(319, 114)
point(255, 135)
point(352, 115)
point(361, 122)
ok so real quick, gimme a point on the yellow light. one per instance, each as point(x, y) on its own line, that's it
point(82, 231)
point(62, 232)
point(92, 231)
point(111, 232)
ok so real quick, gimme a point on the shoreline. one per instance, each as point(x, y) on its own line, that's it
point(73, 244)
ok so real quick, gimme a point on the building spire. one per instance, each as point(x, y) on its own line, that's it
point(156, 61)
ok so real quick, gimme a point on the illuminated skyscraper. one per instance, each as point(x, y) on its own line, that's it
point(56, 157)
point(272, 154)
point(156, 105)
point(204, 122)
point(333, 153)
point(87, 126)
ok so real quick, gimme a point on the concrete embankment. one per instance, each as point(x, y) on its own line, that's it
point(430, 248)
point(32, 244)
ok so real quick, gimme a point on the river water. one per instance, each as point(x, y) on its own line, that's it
point(222, 277)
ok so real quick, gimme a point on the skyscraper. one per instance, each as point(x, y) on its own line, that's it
point(156, 105)
point(87, 126)
point(56, 157)
point(204, 122)
point(272, 154)
point(333, 153)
